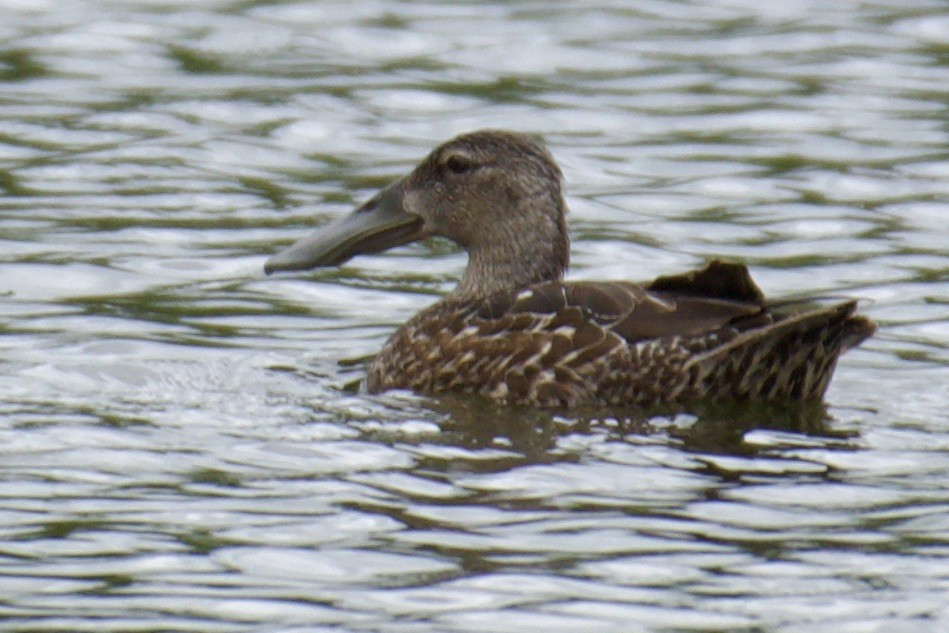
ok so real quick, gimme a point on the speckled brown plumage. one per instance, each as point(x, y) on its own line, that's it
point(515, 332)
point(619, 344)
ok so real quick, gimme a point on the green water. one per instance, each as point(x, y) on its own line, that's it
point(181, 444)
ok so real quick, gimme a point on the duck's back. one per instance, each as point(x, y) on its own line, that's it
point(704, 335)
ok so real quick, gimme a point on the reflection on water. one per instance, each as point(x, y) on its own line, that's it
point(536, 435)
point(183, 444)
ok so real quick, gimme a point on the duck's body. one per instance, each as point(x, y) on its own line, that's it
point(619, 344)
point(515, 332)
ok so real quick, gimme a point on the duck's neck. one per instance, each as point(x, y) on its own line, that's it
point(516, 256)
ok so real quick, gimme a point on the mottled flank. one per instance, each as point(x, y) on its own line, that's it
point(515, 332)
point(562, 345)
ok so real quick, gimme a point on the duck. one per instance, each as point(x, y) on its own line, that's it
point(515, 331)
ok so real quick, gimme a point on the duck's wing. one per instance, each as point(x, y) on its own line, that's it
point(719, 295)
point(707, 333)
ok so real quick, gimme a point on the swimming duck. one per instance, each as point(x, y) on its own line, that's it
point(515, 331)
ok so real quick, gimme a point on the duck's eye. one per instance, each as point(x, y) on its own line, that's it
point(458, 163)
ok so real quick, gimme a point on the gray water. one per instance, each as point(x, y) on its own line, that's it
point(182, 445)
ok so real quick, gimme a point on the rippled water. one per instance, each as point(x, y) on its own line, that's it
point(181, 444)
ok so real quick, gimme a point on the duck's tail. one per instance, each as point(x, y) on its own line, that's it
point(790, 359)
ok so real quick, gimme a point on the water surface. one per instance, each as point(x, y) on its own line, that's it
point(181, 445)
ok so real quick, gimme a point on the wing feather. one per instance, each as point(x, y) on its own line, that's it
point(557, 344)
point(684, 305)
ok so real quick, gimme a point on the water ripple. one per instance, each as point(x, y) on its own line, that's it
point(183, 445)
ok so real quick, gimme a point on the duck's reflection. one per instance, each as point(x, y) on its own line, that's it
point(720, 429)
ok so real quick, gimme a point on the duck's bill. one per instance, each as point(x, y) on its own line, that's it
point(379, 224)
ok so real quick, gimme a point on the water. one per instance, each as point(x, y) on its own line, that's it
point(181, 445)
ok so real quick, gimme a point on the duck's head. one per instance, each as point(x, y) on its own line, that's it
point(497, 194)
